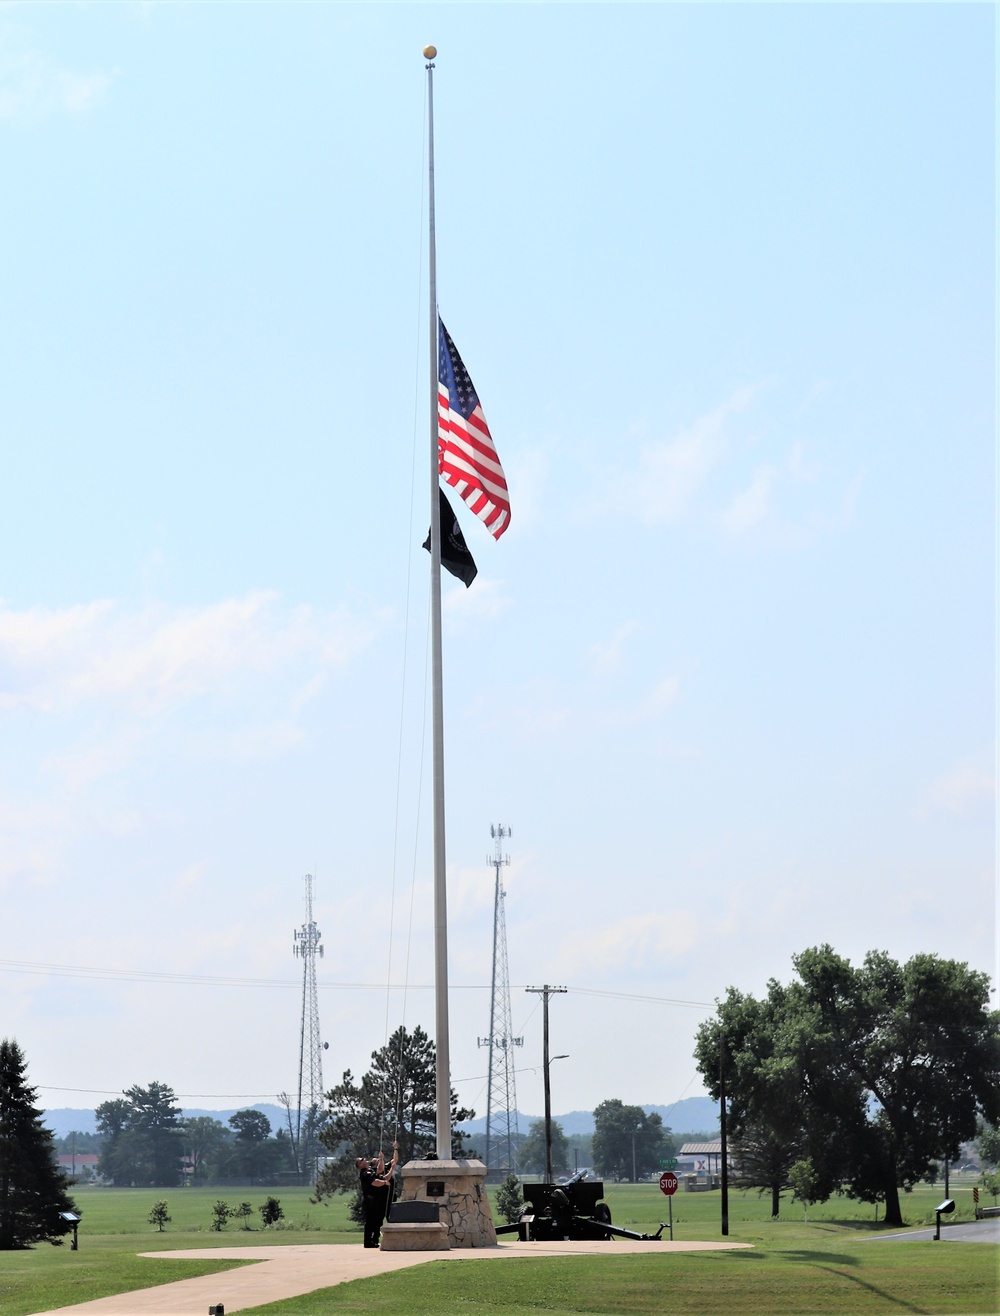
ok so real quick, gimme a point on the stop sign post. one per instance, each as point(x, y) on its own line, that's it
point(668, 1185)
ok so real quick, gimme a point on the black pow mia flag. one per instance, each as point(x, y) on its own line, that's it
point(455, 556)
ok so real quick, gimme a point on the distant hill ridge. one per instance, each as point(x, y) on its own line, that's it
point(693, 1114)
point(66, 1119)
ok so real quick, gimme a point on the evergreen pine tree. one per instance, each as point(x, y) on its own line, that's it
point(143, 1137)
point(32, 1187)
point(394, 1099)
point(510, 1203)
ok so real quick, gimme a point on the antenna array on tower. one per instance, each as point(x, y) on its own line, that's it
point(307, 947)
point(501, 1099)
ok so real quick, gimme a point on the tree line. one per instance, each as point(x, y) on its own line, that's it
point(627, 1144)
point(850, 1079)
point(855, 1079)
point(395, 1100)
point(146, 1142)
point(612, 1158)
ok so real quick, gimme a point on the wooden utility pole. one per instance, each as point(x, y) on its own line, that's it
point(546, 992)
point(724, 1159)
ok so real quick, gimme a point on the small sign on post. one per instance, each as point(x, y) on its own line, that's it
point(73, 1219)
point(668, 1185)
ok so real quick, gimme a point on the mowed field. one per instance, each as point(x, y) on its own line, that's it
point(837, 1263)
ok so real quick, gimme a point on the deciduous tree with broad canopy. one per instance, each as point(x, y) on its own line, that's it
point(205, 1140)
point(253, 1150)
point(988, 1144)
point(620, 1129)
point(531, 1153)
point(873, 1072)
point(395, 1099)
point(32, 1187)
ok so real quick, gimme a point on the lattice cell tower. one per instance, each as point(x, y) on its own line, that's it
point(501, 1099)
point(307, 946)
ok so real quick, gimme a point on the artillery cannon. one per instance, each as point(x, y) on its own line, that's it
point(572, 1210)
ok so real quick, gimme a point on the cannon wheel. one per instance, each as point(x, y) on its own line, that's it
point(602, 1213)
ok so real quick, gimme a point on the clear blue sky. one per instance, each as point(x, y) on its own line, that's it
point(724, 277)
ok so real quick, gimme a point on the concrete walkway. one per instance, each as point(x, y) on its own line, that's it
point(288, 1272)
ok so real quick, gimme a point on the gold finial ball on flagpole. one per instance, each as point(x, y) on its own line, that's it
point(430, 52)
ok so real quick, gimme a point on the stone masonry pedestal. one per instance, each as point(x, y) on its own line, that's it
point(458, 1188)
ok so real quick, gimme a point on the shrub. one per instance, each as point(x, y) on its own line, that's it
point(990, 1179)
point(510, 1203)
point(804, 1183)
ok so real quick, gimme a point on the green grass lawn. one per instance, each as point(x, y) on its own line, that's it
point(832, 1275)
point(833, 1264)
point(47, 1277)
point(114, 1229)
point(109, 1211)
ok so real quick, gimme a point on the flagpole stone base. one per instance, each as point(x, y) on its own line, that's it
point(416, 1237)
point(458, 1189)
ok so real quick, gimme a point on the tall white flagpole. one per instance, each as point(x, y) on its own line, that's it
point(443, 1070)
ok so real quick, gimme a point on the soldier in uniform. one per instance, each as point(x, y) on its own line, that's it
point(376, 1184)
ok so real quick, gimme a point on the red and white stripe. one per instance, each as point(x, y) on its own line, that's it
point(468, 461)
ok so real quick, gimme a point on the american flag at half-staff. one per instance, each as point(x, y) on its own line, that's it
point(467, 459)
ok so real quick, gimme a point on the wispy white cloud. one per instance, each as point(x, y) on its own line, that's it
point(967, 786)
point(851, 496)
point(752, 505)
point(528, 476)
point(87, 693)
point(30, 831)
point(662, 696)
point(536, 709)
point(155, 658)
point(651, 706)
point(33, 87)
point(800, 467)
point(751, 487)
point(772, 505)
point(607, 658)
point(482, 601)
point(641, 940)
point(670, 474)
point(90, 759)
point(191, 877)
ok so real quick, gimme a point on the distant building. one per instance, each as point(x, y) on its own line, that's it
point(79, 1164)
point(703, 1158)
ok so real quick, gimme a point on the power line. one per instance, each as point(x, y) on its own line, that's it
point(216, 980)
point(178, 1096)
point(205, 979)
point(632, 996)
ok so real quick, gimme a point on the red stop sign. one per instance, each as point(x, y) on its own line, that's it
point(668, 1183)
